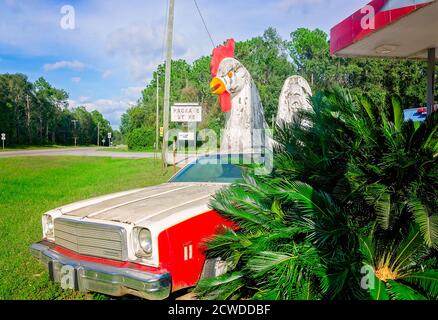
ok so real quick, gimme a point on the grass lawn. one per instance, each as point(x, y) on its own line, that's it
point(30, 186)
point(127, 150)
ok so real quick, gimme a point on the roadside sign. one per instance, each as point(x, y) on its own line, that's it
point(186, 112)
point(3, 136)
point(186, 136)
point(109, 135)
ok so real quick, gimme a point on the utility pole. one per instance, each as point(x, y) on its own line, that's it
point(28, 118)
point(166, 111)
point(98, 134)
point(157, 134)
point(75, 132)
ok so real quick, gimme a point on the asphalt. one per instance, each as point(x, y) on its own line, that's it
point(180, 159)
point(80, 152)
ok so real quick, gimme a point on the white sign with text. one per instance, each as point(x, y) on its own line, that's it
point(186, 136)
point(185, 112)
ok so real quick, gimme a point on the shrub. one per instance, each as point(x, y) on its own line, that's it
point(140, 138)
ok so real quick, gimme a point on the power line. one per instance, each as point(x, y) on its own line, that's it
point(205, 25)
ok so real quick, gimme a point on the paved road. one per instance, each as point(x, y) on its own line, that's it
point(81, 152)
point(181, 160)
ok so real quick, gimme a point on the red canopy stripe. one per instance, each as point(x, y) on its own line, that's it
point(350, 30)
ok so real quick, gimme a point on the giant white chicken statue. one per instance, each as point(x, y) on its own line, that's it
point(295, 96)
point(246, 130)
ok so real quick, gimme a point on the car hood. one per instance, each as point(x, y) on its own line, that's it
point(145, 206)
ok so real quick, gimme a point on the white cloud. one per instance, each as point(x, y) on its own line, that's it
point(83, 99)
point(287, 4)
point(133, 92)
point(112, 109)
point(107, 74)
point(140, 45)
point(73, 65)
point(76, 79)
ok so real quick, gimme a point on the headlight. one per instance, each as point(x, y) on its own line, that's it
point(48, 228)
point(143, 241)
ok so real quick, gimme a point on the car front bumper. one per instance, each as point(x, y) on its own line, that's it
point(114, 281)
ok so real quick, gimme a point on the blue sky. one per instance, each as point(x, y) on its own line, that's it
point(110, 55)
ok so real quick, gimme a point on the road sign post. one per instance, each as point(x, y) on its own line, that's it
point(3, 140)
point(75, 133)
point(191, 114)
point(109, 139)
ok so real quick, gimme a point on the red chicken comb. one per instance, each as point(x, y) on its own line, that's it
point(219, 54)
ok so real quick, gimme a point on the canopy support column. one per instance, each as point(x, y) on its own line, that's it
point(431, 80)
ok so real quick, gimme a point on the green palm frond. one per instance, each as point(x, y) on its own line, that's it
point(295, 275)
point(425, 280)
point(383, 118)
point(398, 113)
point(405, 251)
point(225, 287)
point(378, 195)
point(268, 294)
point(378, 290)
point(426, 136)
point(307, 198)
point(367, 248)
point(428, 224)
point(276, 209)
point(242, 208)
point(266, 261)
point(366, 104)
point(227, 244)
point(399, 291)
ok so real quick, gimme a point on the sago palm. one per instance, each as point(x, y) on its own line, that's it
point(350, 173)
point(400, 271)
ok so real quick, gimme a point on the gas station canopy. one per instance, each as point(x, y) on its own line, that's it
point(400, 29)
point(392, 29)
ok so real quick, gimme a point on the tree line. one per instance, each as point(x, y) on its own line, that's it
point(38, 114)
point(271, 59)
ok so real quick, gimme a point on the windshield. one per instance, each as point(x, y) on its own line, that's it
point(208, 172)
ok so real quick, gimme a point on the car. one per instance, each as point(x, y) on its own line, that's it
point(146, 242)
point(417, 114)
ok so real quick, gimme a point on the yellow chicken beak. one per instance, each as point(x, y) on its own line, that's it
point(218, 85)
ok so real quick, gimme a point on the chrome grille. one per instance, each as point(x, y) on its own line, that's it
point(91, 239)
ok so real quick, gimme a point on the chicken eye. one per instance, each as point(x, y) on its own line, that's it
point(230, 74)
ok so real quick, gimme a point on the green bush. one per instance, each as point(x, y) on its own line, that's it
point(141, 138)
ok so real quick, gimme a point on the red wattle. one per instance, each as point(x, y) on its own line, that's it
point(225, 101)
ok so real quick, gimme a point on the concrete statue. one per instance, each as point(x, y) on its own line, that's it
point(294, 96)
point(245, 128)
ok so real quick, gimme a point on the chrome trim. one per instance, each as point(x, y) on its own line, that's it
point(105, 279)
point(75, 245)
